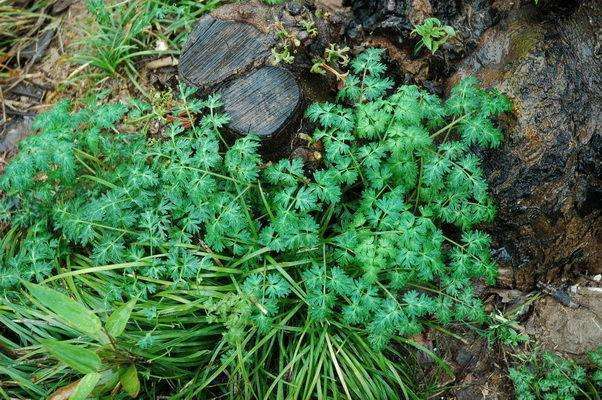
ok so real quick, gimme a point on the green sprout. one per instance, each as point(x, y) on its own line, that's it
point(433, 34)
point(335, 57)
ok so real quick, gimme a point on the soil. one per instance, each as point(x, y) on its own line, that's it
point(571, 330)
point(31, 88)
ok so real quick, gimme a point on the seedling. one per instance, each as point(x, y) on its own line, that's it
point(433, 34)
point(309, 26)
point(335, 58)
point(288, 42)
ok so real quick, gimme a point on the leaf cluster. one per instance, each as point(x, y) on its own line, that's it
point(276, 259)
point(545, 375)
point(433, 34)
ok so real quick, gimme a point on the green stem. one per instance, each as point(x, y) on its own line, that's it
point(448, 126)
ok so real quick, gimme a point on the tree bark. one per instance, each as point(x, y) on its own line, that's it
point(547, 175)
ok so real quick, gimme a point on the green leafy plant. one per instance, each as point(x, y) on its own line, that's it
point(334, 59)
point(545, 375)
point(175, 19)
point(433, 34)
point(287, 46)
point(113, 368)
point(505, 328)
point(596, 359)
point(251, 279)
point(309, 26)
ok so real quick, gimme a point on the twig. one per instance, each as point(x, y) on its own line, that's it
point(162, 62)
point(3, 105)
point(77, 70)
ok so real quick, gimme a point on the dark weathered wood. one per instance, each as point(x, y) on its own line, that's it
point(231, 57)
point(230, 52)
point(216, 50)
point(261, 101)
point(36, 49)
point(545, 177)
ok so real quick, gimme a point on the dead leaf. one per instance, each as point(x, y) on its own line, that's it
point(65, 392)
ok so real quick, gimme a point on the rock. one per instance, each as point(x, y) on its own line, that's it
point(546, 176)
point(380, 16)
point(466, 359)
point(294, 8)
point(572, 331)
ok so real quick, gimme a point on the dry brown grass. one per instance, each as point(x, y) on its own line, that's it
point(18, 26)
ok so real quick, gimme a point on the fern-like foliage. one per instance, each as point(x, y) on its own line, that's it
point(381, 238)
point(371, 223)
point(545, 375)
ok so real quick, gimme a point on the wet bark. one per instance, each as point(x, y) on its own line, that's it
point(547, 176)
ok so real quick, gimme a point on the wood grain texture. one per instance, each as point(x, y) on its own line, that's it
point(217, 50)
point(262, 101)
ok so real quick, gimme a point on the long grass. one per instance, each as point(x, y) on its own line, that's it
point(173, 339)
point(124, 34)
point(19, 26)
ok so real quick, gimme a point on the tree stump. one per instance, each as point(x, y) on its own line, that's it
point(546, 177)
point(262, 101)
point(230, 52)
point(217, 50)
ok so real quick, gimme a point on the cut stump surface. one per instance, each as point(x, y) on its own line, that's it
point(232, 58)
point(217, 50)
point(262, 101)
